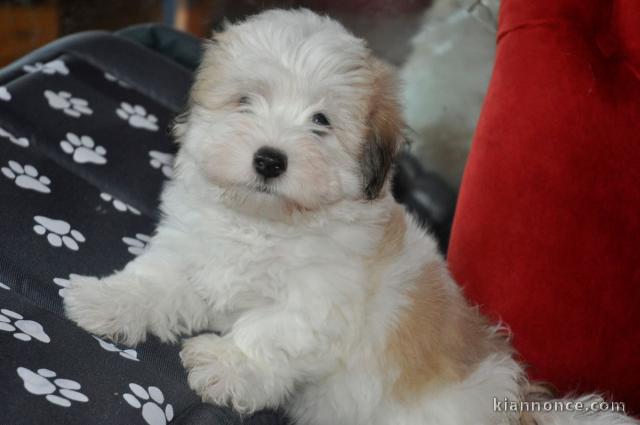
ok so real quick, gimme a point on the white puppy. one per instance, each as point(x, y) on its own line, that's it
point(280, 234)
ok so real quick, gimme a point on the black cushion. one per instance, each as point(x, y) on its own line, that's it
point(84, 150)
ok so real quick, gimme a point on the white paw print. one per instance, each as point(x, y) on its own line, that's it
point(84, 149)
point(39, 383)
point(64, 283)
point(137, 245)
point(128, 353)
point(137, 116)
point(118, 204)
point(4, 94)
point(23, 142)
point(114, 79)
point(72, 106)
point(54, 67)
point(59, 232)
point(27, 177)
point(162, 161)
point(24, 330)
point(151, 401)
point(3, 286)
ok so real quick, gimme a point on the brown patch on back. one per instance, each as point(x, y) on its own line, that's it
point(439, 337)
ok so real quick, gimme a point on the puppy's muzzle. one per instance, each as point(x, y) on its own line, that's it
point(269, 162)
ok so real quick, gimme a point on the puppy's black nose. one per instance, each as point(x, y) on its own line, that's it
point(269, 162)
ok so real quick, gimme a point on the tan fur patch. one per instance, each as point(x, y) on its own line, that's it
point(439, 338)
point(385, 114)
point(389, 247)
point(392, 238)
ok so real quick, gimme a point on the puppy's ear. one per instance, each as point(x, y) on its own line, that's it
point(208, 73)
point(384, 135)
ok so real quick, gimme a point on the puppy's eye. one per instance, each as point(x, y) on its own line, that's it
point(244, 100)
point(321, 119)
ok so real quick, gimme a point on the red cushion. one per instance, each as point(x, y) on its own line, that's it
point(547, 232)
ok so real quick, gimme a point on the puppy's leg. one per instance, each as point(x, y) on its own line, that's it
point(149, 295)
point(258, 363)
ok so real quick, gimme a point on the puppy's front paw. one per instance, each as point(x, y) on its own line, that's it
point(221, 374)
point(103, 310)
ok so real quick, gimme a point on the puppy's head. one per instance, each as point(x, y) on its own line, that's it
point(290, 110)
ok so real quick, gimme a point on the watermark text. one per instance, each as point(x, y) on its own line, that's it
point(592, 405)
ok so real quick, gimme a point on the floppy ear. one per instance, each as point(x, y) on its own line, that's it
point(209, 75)
point(206, 76)
point(384, 134)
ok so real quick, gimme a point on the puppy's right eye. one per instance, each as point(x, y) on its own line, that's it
point(321, 120)
point(244, 100)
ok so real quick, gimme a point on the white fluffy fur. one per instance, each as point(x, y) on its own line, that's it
point(445, 81)
point(282, 277)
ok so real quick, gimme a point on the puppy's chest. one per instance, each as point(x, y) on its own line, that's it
point(244, 268)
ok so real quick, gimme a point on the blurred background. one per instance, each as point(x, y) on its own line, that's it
point(28, 24)
point(443, 49)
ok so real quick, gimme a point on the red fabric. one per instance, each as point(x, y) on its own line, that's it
point(547, 231)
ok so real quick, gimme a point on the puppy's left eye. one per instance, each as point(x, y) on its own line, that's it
point(244, 100)
point(321, 119)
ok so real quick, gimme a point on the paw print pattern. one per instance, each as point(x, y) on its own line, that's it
point(137, 245)
point(23, 142)
point(83, 149)
point(26, 177)
point(162, 161)
point(4, 94)
point(118, 204)
point(24, 330)
point(114, 79)
point(58, 232)
point(64, 283)
point(73, 106)
point(54, 67)
point(137, 116)
point(39, 383)
point(128, 353)
point(3, 286)
point(150, 400)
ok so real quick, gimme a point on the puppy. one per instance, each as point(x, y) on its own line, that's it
point(281, 240)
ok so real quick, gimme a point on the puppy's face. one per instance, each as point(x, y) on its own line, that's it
point(290, 110)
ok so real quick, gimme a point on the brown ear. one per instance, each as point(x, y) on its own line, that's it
point(384, 134)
